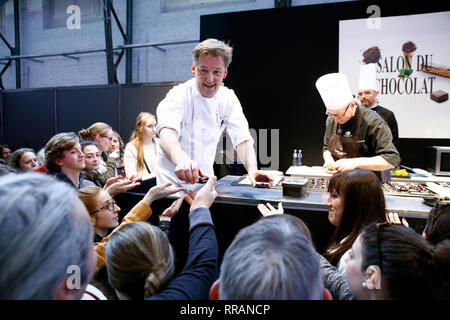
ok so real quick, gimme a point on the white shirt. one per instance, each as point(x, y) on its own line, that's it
point(199, 122)
point(92, 293)
point(150, 155)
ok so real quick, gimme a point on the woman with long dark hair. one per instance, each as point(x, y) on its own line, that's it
point(356, 199)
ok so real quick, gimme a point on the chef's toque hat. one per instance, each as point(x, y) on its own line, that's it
point(368, 77)
point(334, 90)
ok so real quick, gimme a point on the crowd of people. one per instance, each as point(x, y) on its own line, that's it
point(61, 236)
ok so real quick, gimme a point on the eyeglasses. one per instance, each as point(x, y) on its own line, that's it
point(336, 115)
point(109, 138)
point(109, 206)
point(380, 227)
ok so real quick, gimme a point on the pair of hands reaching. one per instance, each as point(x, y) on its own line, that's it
point(393, 218)
point(118, 184)
point(332, 166)
point(204, 197)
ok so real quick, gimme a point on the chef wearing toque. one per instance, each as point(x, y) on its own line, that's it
point(355, 137)
point(193, 116)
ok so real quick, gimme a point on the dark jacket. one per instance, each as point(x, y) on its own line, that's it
point(375, 138)
point(389, 117)
point(201, 269)
point(82, 182)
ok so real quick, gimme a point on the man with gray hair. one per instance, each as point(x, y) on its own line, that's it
point(46, 248)
point(271, 259)
point(193, 116)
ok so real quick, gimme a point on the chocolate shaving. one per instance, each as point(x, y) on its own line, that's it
point(371, 55)
point(409, 47)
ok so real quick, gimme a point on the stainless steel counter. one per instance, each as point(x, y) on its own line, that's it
point(314, 201)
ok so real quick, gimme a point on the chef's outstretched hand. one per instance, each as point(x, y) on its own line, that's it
point(259, 176)
point(188, 171)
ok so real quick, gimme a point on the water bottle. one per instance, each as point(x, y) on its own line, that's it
point(299, 158)
point(295, 158)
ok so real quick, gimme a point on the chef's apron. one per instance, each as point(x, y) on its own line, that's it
point(345, 147)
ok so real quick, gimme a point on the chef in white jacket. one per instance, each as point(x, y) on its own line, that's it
point(193, 115)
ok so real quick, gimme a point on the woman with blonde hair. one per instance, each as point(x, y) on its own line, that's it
point(101, 133)
point(103, 212)
point(141, 151)
point(140, 259)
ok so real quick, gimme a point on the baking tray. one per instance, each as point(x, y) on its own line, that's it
point(407, 189)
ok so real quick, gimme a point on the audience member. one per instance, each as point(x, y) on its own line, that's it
point(334, 281)
point(390, 262)
point(92, 160)
point(271, 259)
point(5, 153)
point(65, 160)
point(40, 155)
point(437, 228)
point(5, 170)
point(105, 217)
point(23, 159)
point(41, 161)
point(45, 239)
point(137, 271)
point(118, 146)
point(356, 199)
point(102, 134)
point(141, 152)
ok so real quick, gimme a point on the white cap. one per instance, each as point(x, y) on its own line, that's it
point(368, 77)
point(334, 90)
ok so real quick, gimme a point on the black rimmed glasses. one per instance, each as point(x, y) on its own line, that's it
point(110, 206)
point(337, 115)
point(109, 138)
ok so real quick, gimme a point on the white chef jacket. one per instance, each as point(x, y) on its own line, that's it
point(199, 122)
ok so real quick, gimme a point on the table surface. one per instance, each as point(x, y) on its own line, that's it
point(315, 201)
point(317, 171)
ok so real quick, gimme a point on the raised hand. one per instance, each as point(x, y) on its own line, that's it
point(206, 195)
point(269, 209)
point(159, 192)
